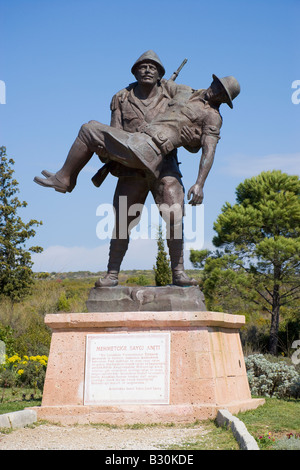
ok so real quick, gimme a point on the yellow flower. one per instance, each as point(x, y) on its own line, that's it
point(14, 358)
point(20, 371)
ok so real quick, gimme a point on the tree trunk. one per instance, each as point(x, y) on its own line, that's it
point(273, 341)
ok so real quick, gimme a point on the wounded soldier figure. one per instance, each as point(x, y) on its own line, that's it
point(192, 117)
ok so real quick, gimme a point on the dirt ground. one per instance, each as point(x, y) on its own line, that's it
point(83, 437)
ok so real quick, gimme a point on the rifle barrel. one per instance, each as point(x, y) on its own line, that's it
point(175, 74)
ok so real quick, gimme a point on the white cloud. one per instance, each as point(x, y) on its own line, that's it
point(245, 166)
point(141, 254)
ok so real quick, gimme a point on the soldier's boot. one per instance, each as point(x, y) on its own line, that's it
point(179, 277)
point(65, 179)
point(118, 248)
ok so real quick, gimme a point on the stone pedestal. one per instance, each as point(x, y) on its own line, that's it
point(203, 367)
point(145, 299)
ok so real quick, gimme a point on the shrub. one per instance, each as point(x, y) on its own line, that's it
point(255, 336)
point(63, 304)
point(287, 443)
point(7, 378)
point(6, 335)
point(162, 268)
point(33, 375)
point(271, 379)
point(23, 371)
point(140, 280)
point(295, 388)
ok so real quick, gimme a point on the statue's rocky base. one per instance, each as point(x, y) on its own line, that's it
point(145, 299)
point(202, 369)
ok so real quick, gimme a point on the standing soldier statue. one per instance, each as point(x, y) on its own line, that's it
point(150, 119)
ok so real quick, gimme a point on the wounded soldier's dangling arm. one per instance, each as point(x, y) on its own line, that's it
point(209, 144)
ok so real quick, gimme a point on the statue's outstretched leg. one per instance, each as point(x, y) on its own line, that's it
point(64, 180)
point(135, 150)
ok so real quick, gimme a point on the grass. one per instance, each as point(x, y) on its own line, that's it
point(211, 438)
point(267, 424)
point(277, 417)
point(17, 399)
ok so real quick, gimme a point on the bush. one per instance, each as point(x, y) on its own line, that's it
point(23, 371)
point(287, 443)
point(295, 388)
point(162, 268)
point(63, 304)
point(255, 336)
point(6, 335)
point(271, 379)
point(140, 280)
point(7, 378)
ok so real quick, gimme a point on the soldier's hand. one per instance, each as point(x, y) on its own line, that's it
point(190, 137)
point(197, 192)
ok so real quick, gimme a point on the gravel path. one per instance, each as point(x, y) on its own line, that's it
point(83, 437)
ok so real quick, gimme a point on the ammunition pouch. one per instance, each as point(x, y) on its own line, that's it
point(163, 143)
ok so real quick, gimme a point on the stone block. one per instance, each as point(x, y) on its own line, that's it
point(148, 298)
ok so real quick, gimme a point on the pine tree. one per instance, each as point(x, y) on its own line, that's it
point(16, 276)
point(260, 236)
point(162, 269)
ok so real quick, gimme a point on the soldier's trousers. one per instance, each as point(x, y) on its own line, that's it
point(134, 150)
point(137, 150)
point(168, 194)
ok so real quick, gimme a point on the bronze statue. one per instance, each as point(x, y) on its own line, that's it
point(150, 119)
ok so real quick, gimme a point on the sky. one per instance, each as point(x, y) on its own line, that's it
point(63, 60)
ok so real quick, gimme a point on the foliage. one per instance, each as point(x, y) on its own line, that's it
point(288, 330)
point(140, 280)
point(23, 371)
point(226, 286)
point(16, 276)
point(255, 335)
point(29, 334)
point(271, 379)
point(265, 440)
point(6, 335)
point(63, 304)
point(18, 398)
point(259, 236)
point(35, 339)
point(289, 442)
point(277, 416)
point(162, 269)
point(198, 257)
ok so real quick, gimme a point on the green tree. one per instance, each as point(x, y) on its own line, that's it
point(259, 236)
point(16, 276)
point(162, 269)
point(6, 335)
point(225, 285)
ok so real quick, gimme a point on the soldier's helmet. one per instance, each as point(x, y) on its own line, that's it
point(231, 86)
point(153, 57)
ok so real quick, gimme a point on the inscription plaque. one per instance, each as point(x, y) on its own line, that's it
point(129, 368)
